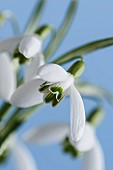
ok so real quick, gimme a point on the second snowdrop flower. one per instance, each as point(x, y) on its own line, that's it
point(30, 45)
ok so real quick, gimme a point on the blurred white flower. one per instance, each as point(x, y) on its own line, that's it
point(93, 157)
point(56, 132)
point(47, 134)
point(21, 155)
point(28, 45)
point(54, 83)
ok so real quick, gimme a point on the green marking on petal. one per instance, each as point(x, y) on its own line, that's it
point(52, 94)
point(49, 97)
point(44, 87)
point(57, 91)
point(55, 102)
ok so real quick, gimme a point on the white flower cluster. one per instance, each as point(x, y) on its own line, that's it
point(43, 83)
point(48, 83)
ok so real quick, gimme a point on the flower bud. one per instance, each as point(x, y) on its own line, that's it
point(29, 46)
point(77, 69)
point(96, 116)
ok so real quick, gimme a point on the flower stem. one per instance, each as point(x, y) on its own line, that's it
point(4, 109)
point(15, 121)
point(11, 125)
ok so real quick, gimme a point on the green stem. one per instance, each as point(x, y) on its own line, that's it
point(11, 125)
point(34, 18)
point(9, 15)
point(15, 121)
point(28, 111)
point(4, 109)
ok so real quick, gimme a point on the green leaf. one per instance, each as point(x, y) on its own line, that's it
point(91, 91)
point(85, 49)
point(62, 31)
point(34, 18)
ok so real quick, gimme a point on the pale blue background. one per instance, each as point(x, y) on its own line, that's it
point(94, 20)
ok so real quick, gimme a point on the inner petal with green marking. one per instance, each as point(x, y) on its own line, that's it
point(53, 95)
point(54, 92)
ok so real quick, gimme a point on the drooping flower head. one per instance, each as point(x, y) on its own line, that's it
point(51, 85)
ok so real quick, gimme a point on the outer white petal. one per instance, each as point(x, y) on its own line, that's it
point(94, 159)
point(88, 139)
point(32, 67)
point(28, 94)
point(77, 114)
point(30, 45)
point(10, 44)
point(7, 77)
point(48, 134)
point(52, 73)
point(22, 156)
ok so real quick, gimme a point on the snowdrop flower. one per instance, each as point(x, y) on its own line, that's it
point(57, 132)
point(21, 155)
point(54, 83)
point(93, 157)
point(28, 45)
point(8, 74)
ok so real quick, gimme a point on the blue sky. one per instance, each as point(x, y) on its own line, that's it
point(94, 20)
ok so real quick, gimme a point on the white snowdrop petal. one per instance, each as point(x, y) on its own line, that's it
point(22, 156)
point(52, 73)
point(47, 134)
point(28, 94)
point(87, 140)
point(9, 45)
point(7, 77)
point(77, 114)
point(30, 45)
point(32, 67)
point(94, 159)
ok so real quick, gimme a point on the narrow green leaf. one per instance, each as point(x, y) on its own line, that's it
point(85, 49)
point(62, 31)
point(34, 18)
point(91, 91)
point(9, 16)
